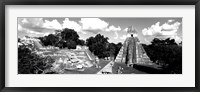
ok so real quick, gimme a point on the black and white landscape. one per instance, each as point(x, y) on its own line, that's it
point(59, 45)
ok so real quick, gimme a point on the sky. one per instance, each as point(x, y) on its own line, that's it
point(114, 28)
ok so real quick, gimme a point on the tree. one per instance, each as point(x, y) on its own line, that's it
point(117, 48)
point(69, 34)
point(51, 39)
point(69, 38)
point(111, 49)
point(31, 63)
point(98, 45)
point(168, 41)
point(81, 42)
point(167, 53)
point(70, 44)
point(63, 38)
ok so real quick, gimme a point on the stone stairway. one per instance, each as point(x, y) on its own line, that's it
point(119, 55)
point(142, 57)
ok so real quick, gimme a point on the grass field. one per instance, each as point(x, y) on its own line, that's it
point(138, 69)
point(90, 70)
point(126, 70)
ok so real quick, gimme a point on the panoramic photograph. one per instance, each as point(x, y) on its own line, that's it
point(99, 45)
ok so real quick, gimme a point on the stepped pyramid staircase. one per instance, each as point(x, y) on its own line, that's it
point(119, 55)
point(142, 57)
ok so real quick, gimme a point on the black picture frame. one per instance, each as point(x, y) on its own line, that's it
point(3, 3)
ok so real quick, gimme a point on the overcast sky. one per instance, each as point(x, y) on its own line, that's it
point(113, 28)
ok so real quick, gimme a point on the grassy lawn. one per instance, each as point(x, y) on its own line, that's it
point(90, 70)
point(138, 69)
point(126, 70)
point(151, 69)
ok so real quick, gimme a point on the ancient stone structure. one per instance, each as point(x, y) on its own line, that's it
point(132, 51)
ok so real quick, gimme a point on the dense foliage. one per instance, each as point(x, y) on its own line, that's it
point(62, 39)
point(31, 63)
point(114, 49)
point(100, 46)
point(167, 53)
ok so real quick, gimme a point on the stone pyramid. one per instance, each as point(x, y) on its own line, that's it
point(141, 56)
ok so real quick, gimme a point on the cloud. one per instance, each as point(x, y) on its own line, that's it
point(33, 32)
point(26, 27)
point(20, 28)
point(127, 35)
point(165, 29)
point(24, 21)
point(30, 32)
point(34, 24)
point(31, 22)
point(72, 25)
point(170, 29)
point(93, 24)
point(147, 41)
point(46, 34)
point(176, 38)
point(38, 25)
point(93, 31)
point(123, 37)
point(116, 35)
point(54, 24)
point(113, 28)
point(126, 29)
point(169, 21)
point(96, 25)
point(41, 27)
point(154, 29)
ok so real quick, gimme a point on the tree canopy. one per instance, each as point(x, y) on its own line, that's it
point(166, 53)
point(31, 63)
point(62, 39)
point(98, 45)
